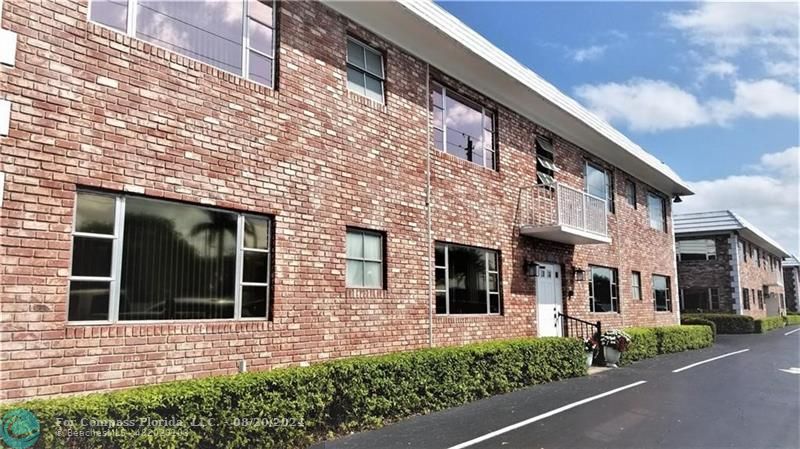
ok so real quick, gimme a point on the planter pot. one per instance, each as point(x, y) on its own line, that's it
point(589, 358)
point(612, 355)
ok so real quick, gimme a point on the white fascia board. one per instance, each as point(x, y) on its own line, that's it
point(430, 33)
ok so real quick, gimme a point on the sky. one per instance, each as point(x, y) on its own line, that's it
point(709, 88)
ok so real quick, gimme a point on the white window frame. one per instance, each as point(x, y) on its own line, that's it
point(116, 263)
point(363, 259)
point(366, 72)
point(668, 294)
point(130, 31)
point(483, 110)
point(636, 285)
point(663, 212)
point(608, 185)
point(710, 249)
point(487, 272)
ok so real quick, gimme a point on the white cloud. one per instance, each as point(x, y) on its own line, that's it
point(782, 70)
point(766, 194)
point(719, 69)
point(590, 53)
point(654, 105)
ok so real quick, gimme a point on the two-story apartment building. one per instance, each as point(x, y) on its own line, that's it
point(791, 283)
point(725, 264)
point(201, 188)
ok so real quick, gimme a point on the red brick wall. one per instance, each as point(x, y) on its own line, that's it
point(752, 276)
point(710, 273)
point(94, 108)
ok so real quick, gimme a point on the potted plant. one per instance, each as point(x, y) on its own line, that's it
point(589, 345)
point(615, 342)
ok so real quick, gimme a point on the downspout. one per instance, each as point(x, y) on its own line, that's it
point(676, 284)
point(736, 281)
point(428, 202)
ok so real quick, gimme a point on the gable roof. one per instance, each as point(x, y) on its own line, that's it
point(430, 33)
point(700, 223)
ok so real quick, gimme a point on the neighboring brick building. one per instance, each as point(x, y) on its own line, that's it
point(791, 279)
point(725, 264)
point(166, 218)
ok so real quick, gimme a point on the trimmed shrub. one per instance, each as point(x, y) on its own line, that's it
point(644, 344)
point(763, 325)
point(682, 338)
point(728, 323)
point(791, 320)
point(296, 406)
point(793, 313)
point(703, 322)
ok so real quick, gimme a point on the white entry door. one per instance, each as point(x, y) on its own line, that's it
point(548, 299)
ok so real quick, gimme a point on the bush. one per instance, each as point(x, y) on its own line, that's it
point(308, 403)
point(649, 342)
point(703, 322)
point(728, 323)
point(793, 313)
point(763, 325)
point(791, 320)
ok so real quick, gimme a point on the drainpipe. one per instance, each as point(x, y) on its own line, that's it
point(428, 203)
point(736, 281)
point(675, 283)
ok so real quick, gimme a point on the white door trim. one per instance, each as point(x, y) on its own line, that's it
point(549, 302)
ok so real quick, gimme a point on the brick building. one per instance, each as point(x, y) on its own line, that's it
point(186, 196)
point(725, 264)
point(791, 279)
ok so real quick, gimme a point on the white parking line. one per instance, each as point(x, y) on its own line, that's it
point(791, 332)
point(709, 360)
point(543, 416)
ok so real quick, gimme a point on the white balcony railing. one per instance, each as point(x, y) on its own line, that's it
point(555, 211)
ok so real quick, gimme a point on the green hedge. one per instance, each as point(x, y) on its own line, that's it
point(703, 322)
point(791, 319)
point(651, 341)
point(793, 313)
point(763, 325)
point(727, 323)
point(297, 406)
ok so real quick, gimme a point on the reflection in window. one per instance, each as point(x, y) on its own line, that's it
point(545, 165)
point(630, 193)
point(699, 299)
point(364, 259)
point(462, 128)
point(697, 249)
point(657, 212)
point(167, 261)
point(237, 36)
point(364, 70)
point(603, 290)
point(661, 293)
point(467, 280)
point(636, 283)
point(599, 183)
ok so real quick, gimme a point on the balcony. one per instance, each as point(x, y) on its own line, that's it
point(560, 213)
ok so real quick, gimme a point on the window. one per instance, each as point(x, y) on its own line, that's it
point(603, 292)
point(467, 280)
point(697, 249)
point(545, 167)
point(462, 128)
point(745, 250)
point(742, 255)
point(758, 257)
point(234, 36)
point(630, 193)
point(746, 299)
point(760, 299)
point(661, 293)
point(364, 259)
point(136, 259)
point(636, 283)
point(600, 184)
point(364, 70)
point(699, 299)
point(657, 211)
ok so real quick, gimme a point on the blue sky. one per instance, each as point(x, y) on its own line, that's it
point(709, 88)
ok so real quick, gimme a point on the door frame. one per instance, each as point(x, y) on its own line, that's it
point(558, 303)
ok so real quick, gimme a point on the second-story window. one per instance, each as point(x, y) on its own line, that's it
point(657, 212)
point(364, 70)
point(630, 193)
point(237, 36)
point(600, 184)
point(697, 249)
point(365, 267)
point(462, 127)
point(545, 161)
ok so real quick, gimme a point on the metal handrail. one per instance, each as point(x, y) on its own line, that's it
point(584, 329)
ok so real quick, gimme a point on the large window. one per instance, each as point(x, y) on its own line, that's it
point(603, 290)
point(142, 259)
point(600, 184)
point(657, 211)
point(237, 36)
point(636, 284)
point(364, 259)
point(364, 70)
point(699, 299)
point(697, 249)
point(462, 127)
point(467, 280)
point(661, 293)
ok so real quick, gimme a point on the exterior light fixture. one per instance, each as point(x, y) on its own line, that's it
point(578, 274)
point(530, 269)
point(677, 199)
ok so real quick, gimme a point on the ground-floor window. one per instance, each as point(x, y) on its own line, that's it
point(137, 258)
point(467, 280)
point(745, 299)
point(699, 299)
point(662, 298)
point(760, 299)
point(603, 289)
